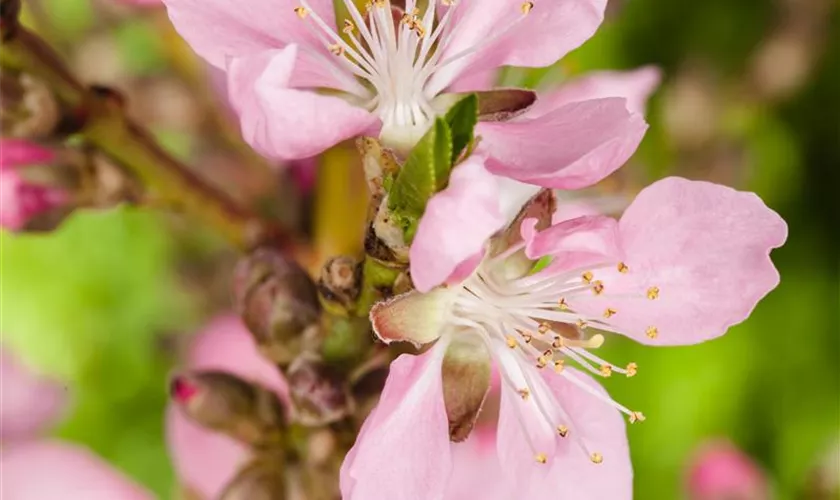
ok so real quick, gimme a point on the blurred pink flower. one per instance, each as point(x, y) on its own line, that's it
point(41, 470)
point(720, 471)
point(687, 260)
point(205, 461)
point(29, 403)
point(19, 199)
point(276, 52)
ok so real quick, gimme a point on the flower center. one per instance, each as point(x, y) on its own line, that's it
point(396, 57)
point(530, 320)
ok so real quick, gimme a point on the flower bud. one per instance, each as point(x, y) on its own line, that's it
point(223, 402)
point(722, 471)
point(320, 395)
point(22, 200)
point(466, 381)
point(278, 302)
point(262, 479)
point(340, 282)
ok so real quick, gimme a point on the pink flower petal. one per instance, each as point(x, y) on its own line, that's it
point(503, 36)
point(571, 147)
point(601, 429)
point(592, 238)
point(18, 152)
point(698, 262)
point(226, 345)
point(41, 470)
point(283, 122)
point(220, 29)
point(403, 450)
point(635, 86)
point(457, 223)
point(476, 471)
point(29, 403)
point(205, 460)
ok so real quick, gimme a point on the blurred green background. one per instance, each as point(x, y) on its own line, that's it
point(751, 98)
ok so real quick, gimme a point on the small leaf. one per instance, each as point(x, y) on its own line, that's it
point(426, 171)
point(462, 118)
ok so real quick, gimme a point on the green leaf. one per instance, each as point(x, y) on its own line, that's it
point(426, 171)
point(461, 119)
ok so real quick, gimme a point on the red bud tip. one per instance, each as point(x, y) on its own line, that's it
point(183, 390)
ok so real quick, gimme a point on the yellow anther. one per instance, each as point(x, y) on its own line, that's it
point(543, 328)
point(632, 368)
point(524, 393)
point(336, 49)
point(542, 361)
point(541, 458)
point(593, 342)
point(562, 304)
point(606, 370)
point(379, 3)
point(557, 343)
point(526, 7)
point(609, 312)
point(582, 324)
point(511, 342)
point(527, 337)
point(301, 12)
point(349, 27)
point(598, 287)
point(562, 431)
point(636, 416)
point(653, 292)
point(419, 30)
point(596, 458)
point(559, 365)
point(587, 277)
point(622, 267)
point(652, 332)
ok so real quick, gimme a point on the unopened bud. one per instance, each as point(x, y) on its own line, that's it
point(223, 402)
point(262, 479)
point(466, 381)
point(340, 282)
point(720, 470)
point(278, 302)
point(27, 203)
point(320, 395)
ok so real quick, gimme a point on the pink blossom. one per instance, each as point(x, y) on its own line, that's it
point(395, 78)
point(686, 260)
point(39, 470)
point(443, 219)
point(205, 461)
point(21, 200)
point(720, 471)
point(29, 403)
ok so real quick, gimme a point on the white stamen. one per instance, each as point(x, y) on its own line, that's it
point(397, 62)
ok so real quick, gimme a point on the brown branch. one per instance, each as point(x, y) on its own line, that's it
point(99, 116)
